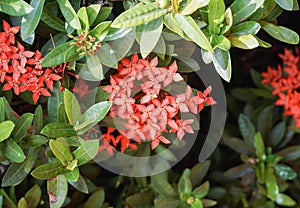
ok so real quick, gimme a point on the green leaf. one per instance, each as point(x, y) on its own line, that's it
point(242, 9)
point(102, 15)
point(22, 203)
point(61, 150)
point(96, 199)
point(208, 202)
point(220, 41)
point(272, 187)
point(285, 172)
point(149, 39)
point(238, 145)
point(60, 54)
point(138, 15)
point(54, 101)
point(191, 29)
point(101, 95)
point(6, 129)
point(222, 63)
point(193, 5)
point(160, 185)
point(280, 33)
point(198, 172)
point(265, 121)
point(49, 170)
point(7, 200)
point(57, 189)
point(259, 147)
point(171, 24)
point(162, 203)
point(215, 16)
point(52, 21)
point(140, 199)
point(277, 134)
point(116, 33)
point(9, 113)
point(290, 153)
point(83, 18)
point(15, 7)
point(247, 129)
point(285, 200)
point(2, 113)
point(92, 12)
point(72, 175)
point(61, 117)
point(86, 151)
point(238, 171)
point(22, 126)
point(33, 196)
point(287, 4)
point(245, 28)
point(244, 41)
point(56, 130)
point(101, 30)
point(80, 185)
point(30, 21)
point(184, 183)
point(95, 67)
point(69, 13)
point(72, 107)
point(13, 151)
point(201, 191)
point(37, 120)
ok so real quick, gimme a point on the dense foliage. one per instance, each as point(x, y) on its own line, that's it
point(88, 83)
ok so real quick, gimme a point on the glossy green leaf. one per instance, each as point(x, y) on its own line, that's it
point(244, 41)
point(160, 185)
point(265, 121)
point(56, 130)
point(285, 200)
point(57, 189)
point(247, 129)
point(102, 15)
point(2, 113)
point(222, 63)
point(172, 25)
point(222, 42)
point(61, 150)
point(38, 120)
point(191, 29)
point(238, 171)
point(72, 175)
point(280, 33)
point(215, 16)
point(86, 151)
point(54, 101)
point(13, 151)
point(101, 95)
point(49, 170)
point(238, 145)
point(34, 141)
point(72, 107)
point(193, 5)
point(285, 172)
point(97, 198)
point(60, 54)
point(6, 129)
point(92, 12)
point(30, 21)
point(149, 40)
point(83, 18)
point(69, 13)
point(33, 196)
point(138, 15)
point(272, 187)
point(290, 153)
point(259, 147)
point(116, 33)
point(15, 7)
point(242, 9)
point(52, 21)
point(101, 30)
point(9, 113)
point(80, 184)
point(286, 5)
point(184, 183)
point(277, 134)
point(95, 67)
point(22, 126)
point(245, 28)
point(58, 39)
point(202, 190)
point(62, 118)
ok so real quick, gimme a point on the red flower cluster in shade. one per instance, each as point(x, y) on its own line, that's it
point(285, 81)
point(139, 97)
point(20, 70)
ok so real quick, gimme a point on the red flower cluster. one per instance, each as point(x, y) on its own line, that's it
point(20, 70)
point(285, 81)
point(139, 96)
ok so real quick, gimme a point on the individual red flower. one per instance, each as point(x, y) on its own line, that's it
point(181, 126)
point(10, 31)
point(205, 99)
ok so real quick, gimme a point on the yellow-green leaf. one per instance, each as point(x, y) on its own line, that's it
point(244, 41)
point(61, 150)
point(6, 128)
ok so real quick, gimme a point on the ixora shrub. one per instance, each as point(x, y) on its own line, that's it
point(82, 82)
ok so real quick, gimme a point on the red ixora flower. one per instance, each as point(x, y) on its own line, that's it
point(140, 96)
point(20, 69)
point(285, 81)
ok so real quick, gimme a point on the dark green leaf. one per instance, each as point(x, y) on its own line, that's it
point(72, 107)
point(86, 151)
point(15, 7)
point(33, 196)
point(222, 63)
point(62, 118)
point(57, 188)
point(56, 130)
point(34, 141)
point(58, 39)
point(52, 21)
point(198, 172)
point(22, 126)
point(238, 171)
point(215, 16)
point(290, 153)
point(287, 4)
point(162, 203)
point(7, 200)
point(31, 20)
point(140, 199)
point(54, 101)
point(280, 33)
point(92, 12)
point(238, 145)
point(2, 113)
point(80, 185)
point(102, 15)
point(61, 150)
point(69, 13)
point(245, 28)
point(9, 113)
point(265, 120)
point(37, 120)
point(6, 129)
point(95, 200)
point(247, 129)
point(277, 134)
point(285, 172)
point(101, 95)
point(101, 30)
point(49, 170)
point(13, 151)
point(160, 185)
